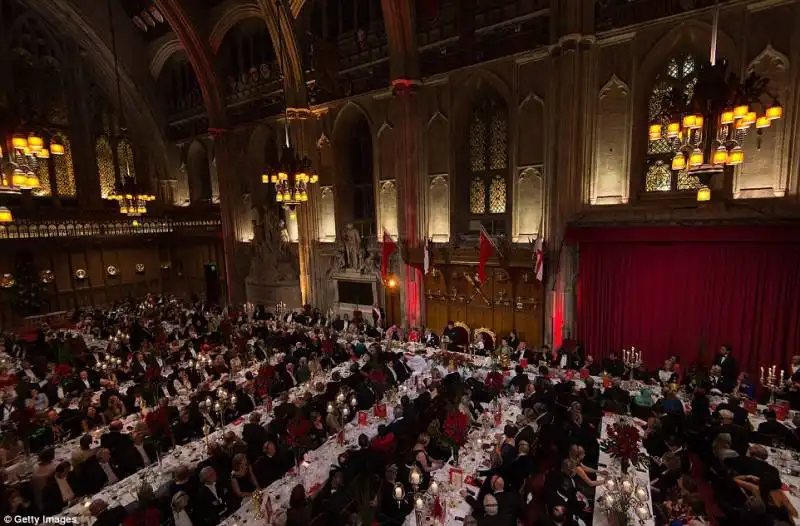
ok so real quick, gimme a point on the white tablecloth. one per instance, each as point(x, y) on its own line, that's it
point(605, 462)
point(123, 493)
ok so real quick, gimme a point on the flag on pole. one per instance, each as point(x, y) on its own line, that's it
point(389, 248)
point(487, 249)
point(426, 265)
point(538, 257)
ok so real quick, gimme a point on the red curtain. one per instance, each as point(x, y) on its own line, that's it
point(688, 290)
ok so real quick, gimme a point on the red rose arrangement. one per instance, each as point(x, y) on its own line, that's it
point(622, 444)
point(494, 381)
point(455, 427)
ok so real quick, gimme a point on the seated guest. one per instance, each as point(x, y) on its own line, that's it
point(60, 491)
point(114, 439)
point(180, 509)
point(562, 490)
point(92, 419)
point(508, 503)
point(734, 404)
point(772, 432)
point(141, 454)
point(255, 435)
point(744, 387)
point(520, 380)
point(666, 375)
point(717, 383)
point(577, 455)
point(299, 513)
point(592, 367)
point(100, 471)
point(83, 452)
point(242, 482)
point(105, 516)
point(209, 502)
point(186, 429)
point(740, 436)
point(182, 480)
point(270, 466)
point(613, 365)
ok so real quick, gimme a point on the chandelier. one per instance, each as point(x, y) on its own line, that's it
point(291, 177)
point(132, 199)
point(18, 165)
point(705, 131)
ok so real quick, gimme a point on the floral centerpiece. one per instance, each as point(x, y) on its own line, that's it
point(455, 428)
point(460, 360)
point(622, 444)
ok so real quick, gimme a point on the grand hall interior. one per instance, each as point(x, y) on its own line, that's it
point(400, 262)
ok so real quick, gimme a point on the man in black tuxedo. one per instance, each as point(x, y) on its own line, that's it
point(60, 490)
point(727, 363)
point(561, 489)
point(772, 430)
point(86, 382)
point(100, 471)
point(114, 439)
point(401, 425)
point(734, 405)
point(255, 435)
point(105, 516)
point(613, 365)
point(430, 339)
point(209, 501)
point(141, 454)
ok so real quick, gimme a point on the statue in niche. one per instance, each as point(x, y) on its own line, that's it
point(372, 261)
point(339, 263)
point(272, 260)
point(284, 235)
point(352, 245)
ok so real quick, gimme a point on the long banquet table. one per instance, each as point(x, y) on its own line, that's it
point(159, 474)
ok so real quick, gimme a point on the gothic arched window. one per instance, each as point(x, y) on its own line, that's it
point(488, 158)
point(105, 166)
point(679, 75)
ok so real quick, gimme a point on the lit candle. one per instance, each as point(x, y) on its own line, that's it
point(419, 503)
point(434, 487)
point(415, 477)
point(762, 374)
point(626, 486)
point(398, 493)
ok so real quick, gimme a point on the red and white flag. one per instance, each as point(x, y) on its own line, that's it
point(487, 249)
point(389, 248)
point(538, 257)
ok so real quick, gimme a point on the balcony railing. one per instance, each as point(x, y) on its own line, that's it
point(85, 228)
point(613, 14)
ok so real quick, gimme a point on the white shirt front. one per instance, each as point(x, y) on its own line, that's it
point(112, 477)
point(143, 454)
point(66, 491)
point(213, 489)
point(87, 384)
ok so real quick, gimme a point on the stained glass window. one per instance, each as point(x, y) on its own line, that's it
point(65, 175)
point(477, 196)
point(498, 154)
point(477, 144)
point(497, 195)
point(659, 178)
point(125, 157)
point(105, 166)
point(43, 173)
point(488, 154)
point(677, 79)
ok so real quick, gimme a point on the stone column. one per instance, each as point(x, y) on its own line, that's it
point(302, 132)
point(410, 193)
point(81, 140)
point(573, 59)
point(237, 256)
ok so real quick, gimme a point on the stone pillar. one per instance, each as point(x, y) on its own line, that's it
point(411, 193)
point(237, 256)
point(573, 59)
point(81, 140)
point(302, 128)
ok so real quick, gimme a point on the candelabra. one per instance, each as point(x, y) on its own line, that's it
point(224, 401)
point(418, 498)
point(632, 359)
point(772, 382)
point(344, 406)
point(109, 364)
point(624, 495)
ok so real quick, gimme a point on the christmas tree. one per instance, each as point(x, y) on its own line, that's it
point(29, 290)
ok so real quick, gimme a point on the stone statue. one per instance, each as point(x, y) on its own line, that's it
point(338, 264)
point(371, 263)
point(284, 234)
point(352, 245)
point(271, 259)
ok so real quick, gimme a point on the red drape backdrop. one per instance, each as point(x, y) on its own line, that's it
point(688, 290)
